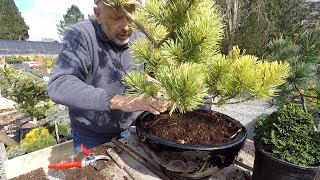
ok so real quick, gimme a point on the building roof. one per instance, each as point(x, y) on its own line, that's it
point(12, 47)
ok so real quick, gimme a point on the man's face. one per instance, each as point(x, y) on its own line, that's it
point(114, 23)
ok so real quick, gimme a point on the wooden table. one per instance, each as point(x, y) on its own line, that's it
point(42, 158)
point(242, 169)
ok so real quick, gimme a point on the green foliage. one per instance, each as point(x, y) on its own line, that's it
point(29, 92)
point(260, 21)
point(303, 54)
point(49, 63)
point(15, 151)
point(63, 122)
point(13, 26)
point(183, 57)
point(183, 86)
point(288, 134)
point(230, 76)
point(19, 59)
point(72, 16)
point(138, 84)
point(286, 17)
point(252, 35)
point(36, 139)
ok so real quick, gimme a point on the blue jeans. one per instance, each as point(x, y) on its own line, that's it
point(93, 141)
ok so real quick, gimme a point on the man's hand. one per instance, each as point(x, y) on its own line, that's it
point(126, 103)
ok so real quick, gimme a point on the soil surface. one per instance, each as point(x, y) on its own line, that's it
point(37, 174)
point(196, 128)
point(95, 172)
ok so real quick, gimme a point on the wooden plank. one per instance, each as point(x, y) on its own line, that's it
point(245, 158)
point(7, 140)
point(134, 167)
point(38, 159)
point(3, 154)
point(3, 157)
point(8, 112)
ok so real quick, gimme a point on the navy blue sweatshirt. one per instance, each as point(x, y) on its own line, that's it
point(87, 74)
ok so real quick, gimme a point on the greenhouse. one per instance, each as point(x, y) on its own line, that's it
point(11, 47)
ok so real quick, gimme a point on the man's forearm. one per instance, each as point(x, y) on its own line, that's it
point(127, 103)
point(118, 101)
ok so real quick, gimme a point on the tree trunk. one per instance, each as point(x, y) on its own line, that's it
point(232, 13)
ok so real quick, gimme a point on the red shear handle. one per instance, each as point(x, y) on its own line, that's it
point(85, 150)
point(65, 165)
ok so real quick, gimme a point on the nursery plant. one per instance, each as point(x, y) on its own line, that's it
point(28, 91)
point(36, 139)
point(181, 54)
point(303, 53)
point(287, 135)
point(58, 125)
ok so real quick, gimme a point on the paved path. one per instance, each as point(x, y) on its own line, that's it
point(247, 113)
point(6, 103)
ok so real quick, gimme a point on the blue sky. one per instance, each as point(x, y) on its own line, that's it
point(42, 16)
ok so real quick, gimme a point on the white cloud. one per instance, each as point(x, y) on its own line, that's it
point(46, 14)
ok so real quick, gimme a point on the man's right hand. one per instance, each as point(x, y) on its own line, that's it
point(127, 104)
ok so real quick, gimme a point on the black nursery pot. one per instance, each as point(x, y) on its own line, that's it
point(267, 167)
point(183, 161)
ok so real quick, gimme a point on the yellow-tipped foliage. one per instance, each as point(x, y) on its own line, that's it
point(234, 75)
point(183, 55)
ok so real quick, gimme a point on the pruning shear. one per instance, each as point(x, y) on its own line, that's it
point(86, 161)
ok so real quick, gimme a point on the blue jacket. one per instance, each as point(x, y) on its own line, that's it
point(87, 75)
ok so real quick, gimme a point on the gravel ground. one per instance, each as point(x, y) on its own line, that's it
point(2, 173)
point(2, 159)
point(247, 113)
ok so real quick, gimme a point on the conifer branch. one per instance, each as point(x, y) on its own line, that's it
point(142, 28)
point(304, 95)
point(164, 39)
point(235, 102)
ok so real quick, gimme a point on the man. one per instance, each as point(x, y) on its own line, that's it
point(87, 77)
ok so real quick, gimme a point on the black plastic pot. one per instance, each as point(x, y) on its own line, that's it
point(267, 167)
point(14, 134)
point(183, 161)
point(25, 130)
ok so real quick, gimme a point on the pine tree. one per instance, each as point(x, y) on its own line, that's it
point(181, 52)
point(254, 24)
point(13, 26)
point(303, 53)
point(286, 17)
point(72, 16)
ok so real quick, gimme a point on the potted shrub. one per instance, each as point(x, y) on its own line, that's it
point(59, 125)
point(181, 53)
point(36, 139)
point(302, 52)
point(287, 146)
point(29, 92)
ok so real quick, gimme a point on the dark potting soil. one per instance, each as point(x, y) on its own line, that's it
point(89, 172)
point(196, 128)
point(85, 173)
point(37, 174)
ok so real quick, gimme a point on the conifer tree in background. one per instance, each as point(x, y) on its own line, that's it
point(286, 17)
point(13, 26)
point(303, 53)
point(72, 16)
point(254, 24)
point(264, 20)
point(181, 52)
